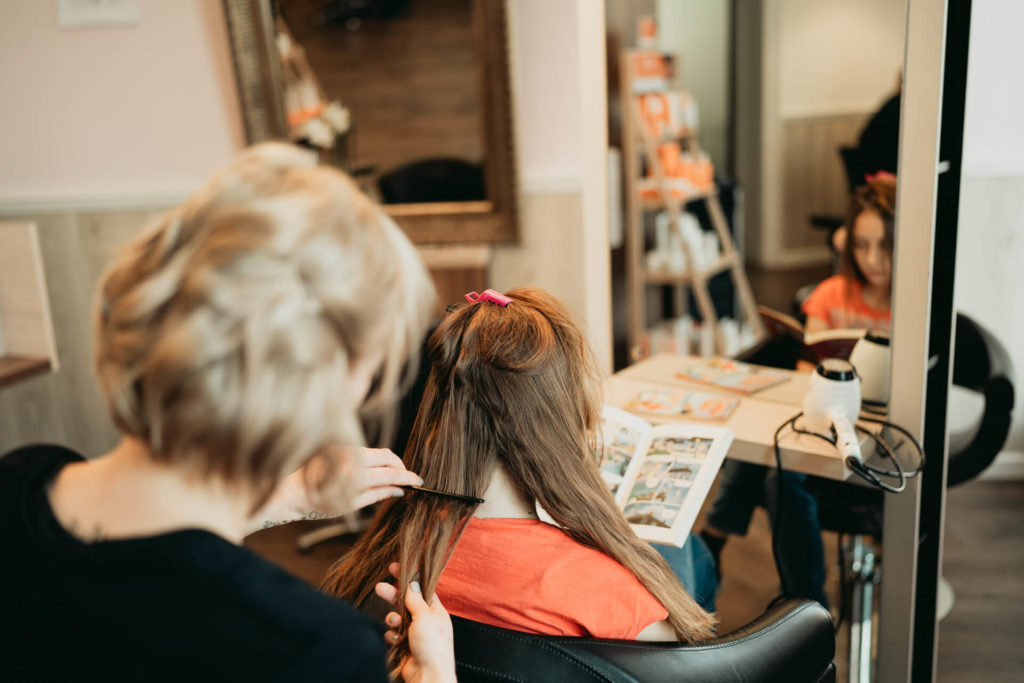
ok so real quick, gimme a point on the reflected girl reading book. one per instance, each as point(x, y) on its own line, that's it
point(857, 298)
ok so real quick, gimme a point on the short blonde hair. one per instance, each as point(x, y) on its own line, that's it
point(226, 333)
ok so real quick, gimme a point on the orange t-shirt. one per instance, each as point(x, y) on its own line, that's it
point(527, 575)
point(839, 302)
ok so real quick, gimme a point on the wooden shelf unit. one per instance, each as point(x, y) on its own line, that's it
point(639, 143)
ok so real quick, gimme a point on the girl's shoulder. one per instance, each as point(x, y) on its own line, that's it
point(836, 286)
point(830, 293)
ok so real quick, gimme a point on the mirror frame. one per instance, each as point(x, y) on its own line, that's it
point(261, 96)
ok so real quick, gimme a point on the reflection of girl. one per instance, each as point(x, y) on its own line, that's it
point(859, 297)
point(511, 413)
point(235, 341)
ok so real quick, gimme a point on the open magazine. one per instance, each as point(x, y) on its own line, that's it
point(660, 475)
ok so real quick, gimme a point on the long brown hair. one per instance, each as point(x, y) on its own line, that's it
point(517, 386)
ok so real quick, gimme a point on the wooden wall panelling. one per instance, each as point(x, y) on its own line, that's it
point(66, 407)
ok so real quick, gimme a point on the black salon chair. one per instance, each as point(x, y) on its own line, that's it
point(434, 180)
point(792, 641)
point(981, 365)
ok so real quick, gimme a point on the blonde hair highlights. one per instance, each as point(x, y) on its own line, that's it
point(227, 332)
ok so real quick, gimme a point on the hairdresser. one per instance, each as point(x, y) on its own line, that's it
point(236, 344)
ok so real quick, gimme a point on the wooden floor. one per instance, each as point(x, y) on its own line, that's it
point(983, 637)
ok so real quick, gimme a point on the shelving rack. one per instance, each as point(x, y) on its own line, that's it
point(640, 144)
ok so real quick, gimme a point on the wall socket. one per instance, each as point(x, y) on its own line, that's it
point(98, 13)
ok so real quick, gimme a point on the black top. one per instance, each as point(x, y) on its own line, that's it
point(185, 605)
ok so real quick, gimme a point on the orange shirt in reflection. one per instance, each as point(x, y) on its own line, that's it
point(839, 302)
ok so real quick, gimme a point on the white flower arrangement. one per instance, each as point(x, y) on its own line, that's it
point(309, 118)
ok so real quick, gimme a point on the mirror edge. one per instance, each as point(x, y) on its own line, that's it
point(257, 75)
point(261, 95)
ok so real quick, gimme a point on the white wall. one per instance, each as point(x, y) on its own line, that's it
point(838, 57)
point(699, 32)
point(545, 67)
point(138, 117)
point(114, 114)
point(819, 62)
point(558, 78)
point(990, 248)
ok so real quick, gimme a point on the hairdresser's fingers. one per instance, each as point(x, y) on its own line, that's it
point(381, 457)
point(430, 639)
point(418, 605)
point(377, 483)
point(375, 495)
point(376, 474)
point(393, 569)
point(393, 621)
point(387, 592)
point(373, 477)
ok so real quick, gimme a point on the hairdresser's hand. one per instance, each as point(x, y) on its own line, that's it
point(430, 634)
point(375, 474)
point(367, 475)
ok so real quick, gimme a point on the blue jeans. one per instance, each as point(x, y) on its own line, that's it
point(742, 486)
point(695, 568)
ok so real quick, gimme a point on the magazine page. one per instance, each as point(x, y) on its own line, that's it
point(625, 437)
point(733, 375)
point(662, 497)
point(677, 404)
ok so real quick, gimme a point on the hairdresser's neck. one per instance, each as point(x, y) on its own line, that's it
point(503, 500)
point(127, 494)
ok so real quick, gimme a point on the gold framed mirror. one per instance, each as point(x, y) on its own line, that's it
point(400, 72)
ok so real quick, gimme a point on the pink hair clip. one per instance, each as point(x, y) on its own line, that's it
point(489, 295)
point(880, 175)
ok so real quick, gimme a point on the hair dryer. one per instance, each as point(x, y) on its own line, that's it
point(832, 403)
point(871, 358)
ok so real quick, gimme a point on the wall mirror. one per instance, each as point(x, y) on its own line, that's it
point(796, 101)
point(411, 97)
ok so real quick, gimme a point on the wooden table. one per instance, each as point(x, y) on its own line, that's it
point(753, 422)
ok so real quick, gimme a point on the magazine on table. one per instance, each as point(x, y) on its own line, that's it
point(660, 475)
point(733, 375)
point(682, 404)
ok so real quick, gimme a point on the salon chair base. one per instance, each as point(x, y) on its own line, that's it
point(792, 641)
